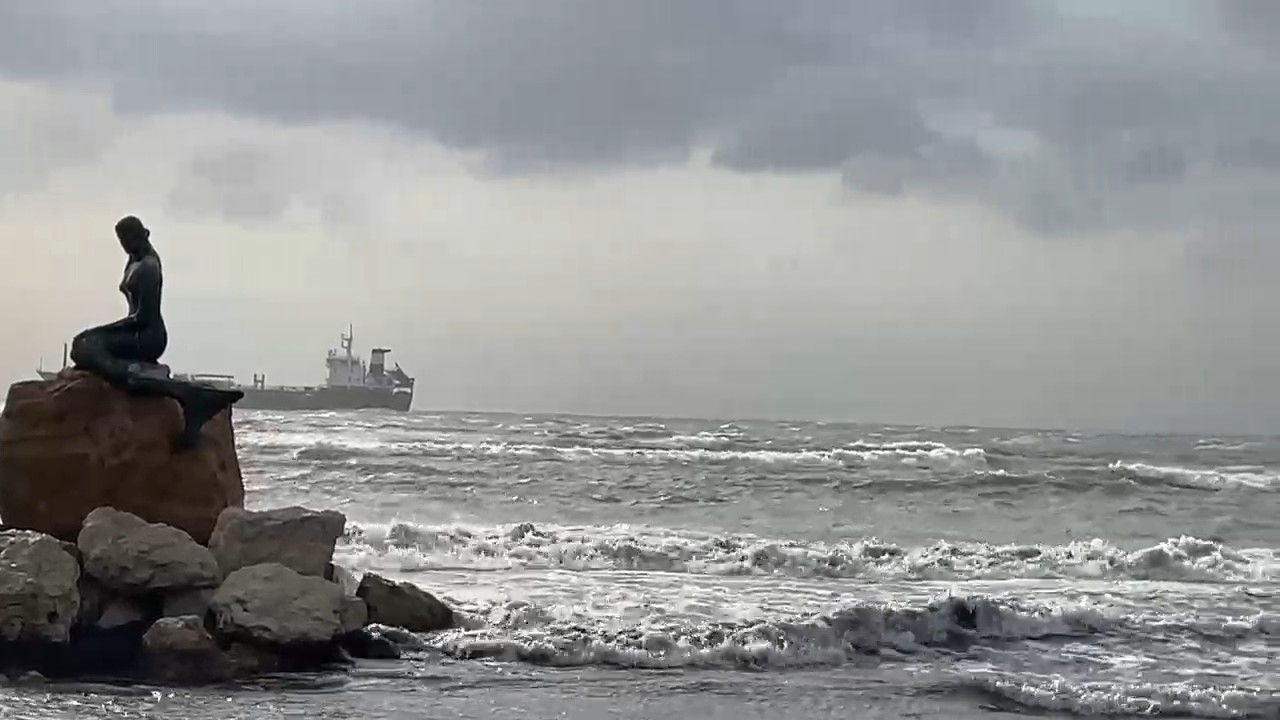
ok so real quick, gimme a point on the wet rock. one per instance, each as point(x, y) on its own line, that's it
point(403, 639)
point(75, 443)
point(39, 595)
point(370, 644)
point(295, 537)
point(180, 650)
point(271, 604)
point(127, 554)
point(403, 605)
point(354, 614)
point(247, 659)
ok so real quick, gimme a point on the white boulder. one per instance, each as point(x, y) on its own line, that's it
point(274, 605)
point(39, 598)
point(129, 555)
point(295, 537)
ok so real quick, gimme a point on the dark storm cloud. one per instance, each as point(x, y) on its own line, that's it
point(571, 81)
point(1115, 105)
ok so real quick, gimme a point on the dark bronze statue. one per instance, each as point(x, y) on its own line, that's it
point(126, 352)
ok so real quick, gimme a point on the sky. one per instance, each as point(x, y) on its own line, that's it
point(992, 212)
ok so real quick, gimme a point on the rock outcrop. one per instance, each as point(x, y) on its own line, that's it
point(75, 443)
point(370, 644)
point(39, 597)
point(180, 650)
point(298, 538)
point(270, 604)
point(403, 605)
point(139, 600)
point(129, 555)
point(353, 615)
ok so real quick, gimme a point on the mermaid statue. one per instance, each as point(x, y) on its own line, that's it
point(126, 353)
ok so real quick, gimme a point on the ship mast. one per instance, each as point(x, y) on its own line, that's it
point(347, 341)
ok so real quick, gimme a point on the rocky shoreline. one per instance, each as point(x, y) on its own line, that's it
point(144, 601)
point(124, 557)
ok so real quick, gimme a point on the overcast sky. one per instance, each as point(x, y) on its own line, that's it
point(1054, 214)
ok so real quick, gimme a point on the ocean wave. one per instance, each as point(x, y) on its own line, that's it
point(519, 632)
point(526, 545)
point(1220, 444)
point(931, 456)
point(1108, 698)
point(1196, 478)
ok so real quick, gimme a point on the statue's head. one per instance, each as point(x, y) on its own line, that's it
point(134, 237)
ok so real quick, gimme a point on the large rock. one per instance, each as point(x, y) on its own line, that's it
point(403, 605)
point(179, 649)
point(370, 644)
point(39, 598)
point(295, 537)
point(74, 443)
point(354, 614)
point(127, 554)
point(273, 605)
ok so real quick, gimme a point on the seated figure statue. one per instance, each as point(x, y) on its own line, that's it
point(126, 352)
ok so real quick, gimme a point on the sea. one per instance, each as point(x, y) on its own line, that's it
point(664, 568)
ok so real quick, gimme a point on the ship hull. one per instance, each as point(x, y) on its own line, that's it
point(324, 398)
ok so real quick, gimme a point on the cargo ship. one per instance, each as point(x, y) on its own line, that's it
point(351, 384)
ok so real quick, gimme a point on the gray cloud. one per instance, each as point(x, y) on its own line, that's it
point(240, 184)
point(1116, 105)
point(47, 132)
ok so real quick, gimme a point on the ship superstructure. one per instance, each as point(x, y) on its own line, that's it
point(351, 384)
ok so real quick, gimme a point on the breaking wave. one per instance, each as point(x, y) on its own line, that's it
point(412, 547)
point(1196, 479)
point(520, 632)
point(1108, 698)
point(934, 456)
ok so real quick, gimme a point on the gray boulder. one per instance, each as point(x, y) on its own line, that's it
point(403, 605)
point(180, 650)
point(273, 605)
point(295, 537)
point(39, 598)
point(129, 555)
point(354, 614)
point(370, 644)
